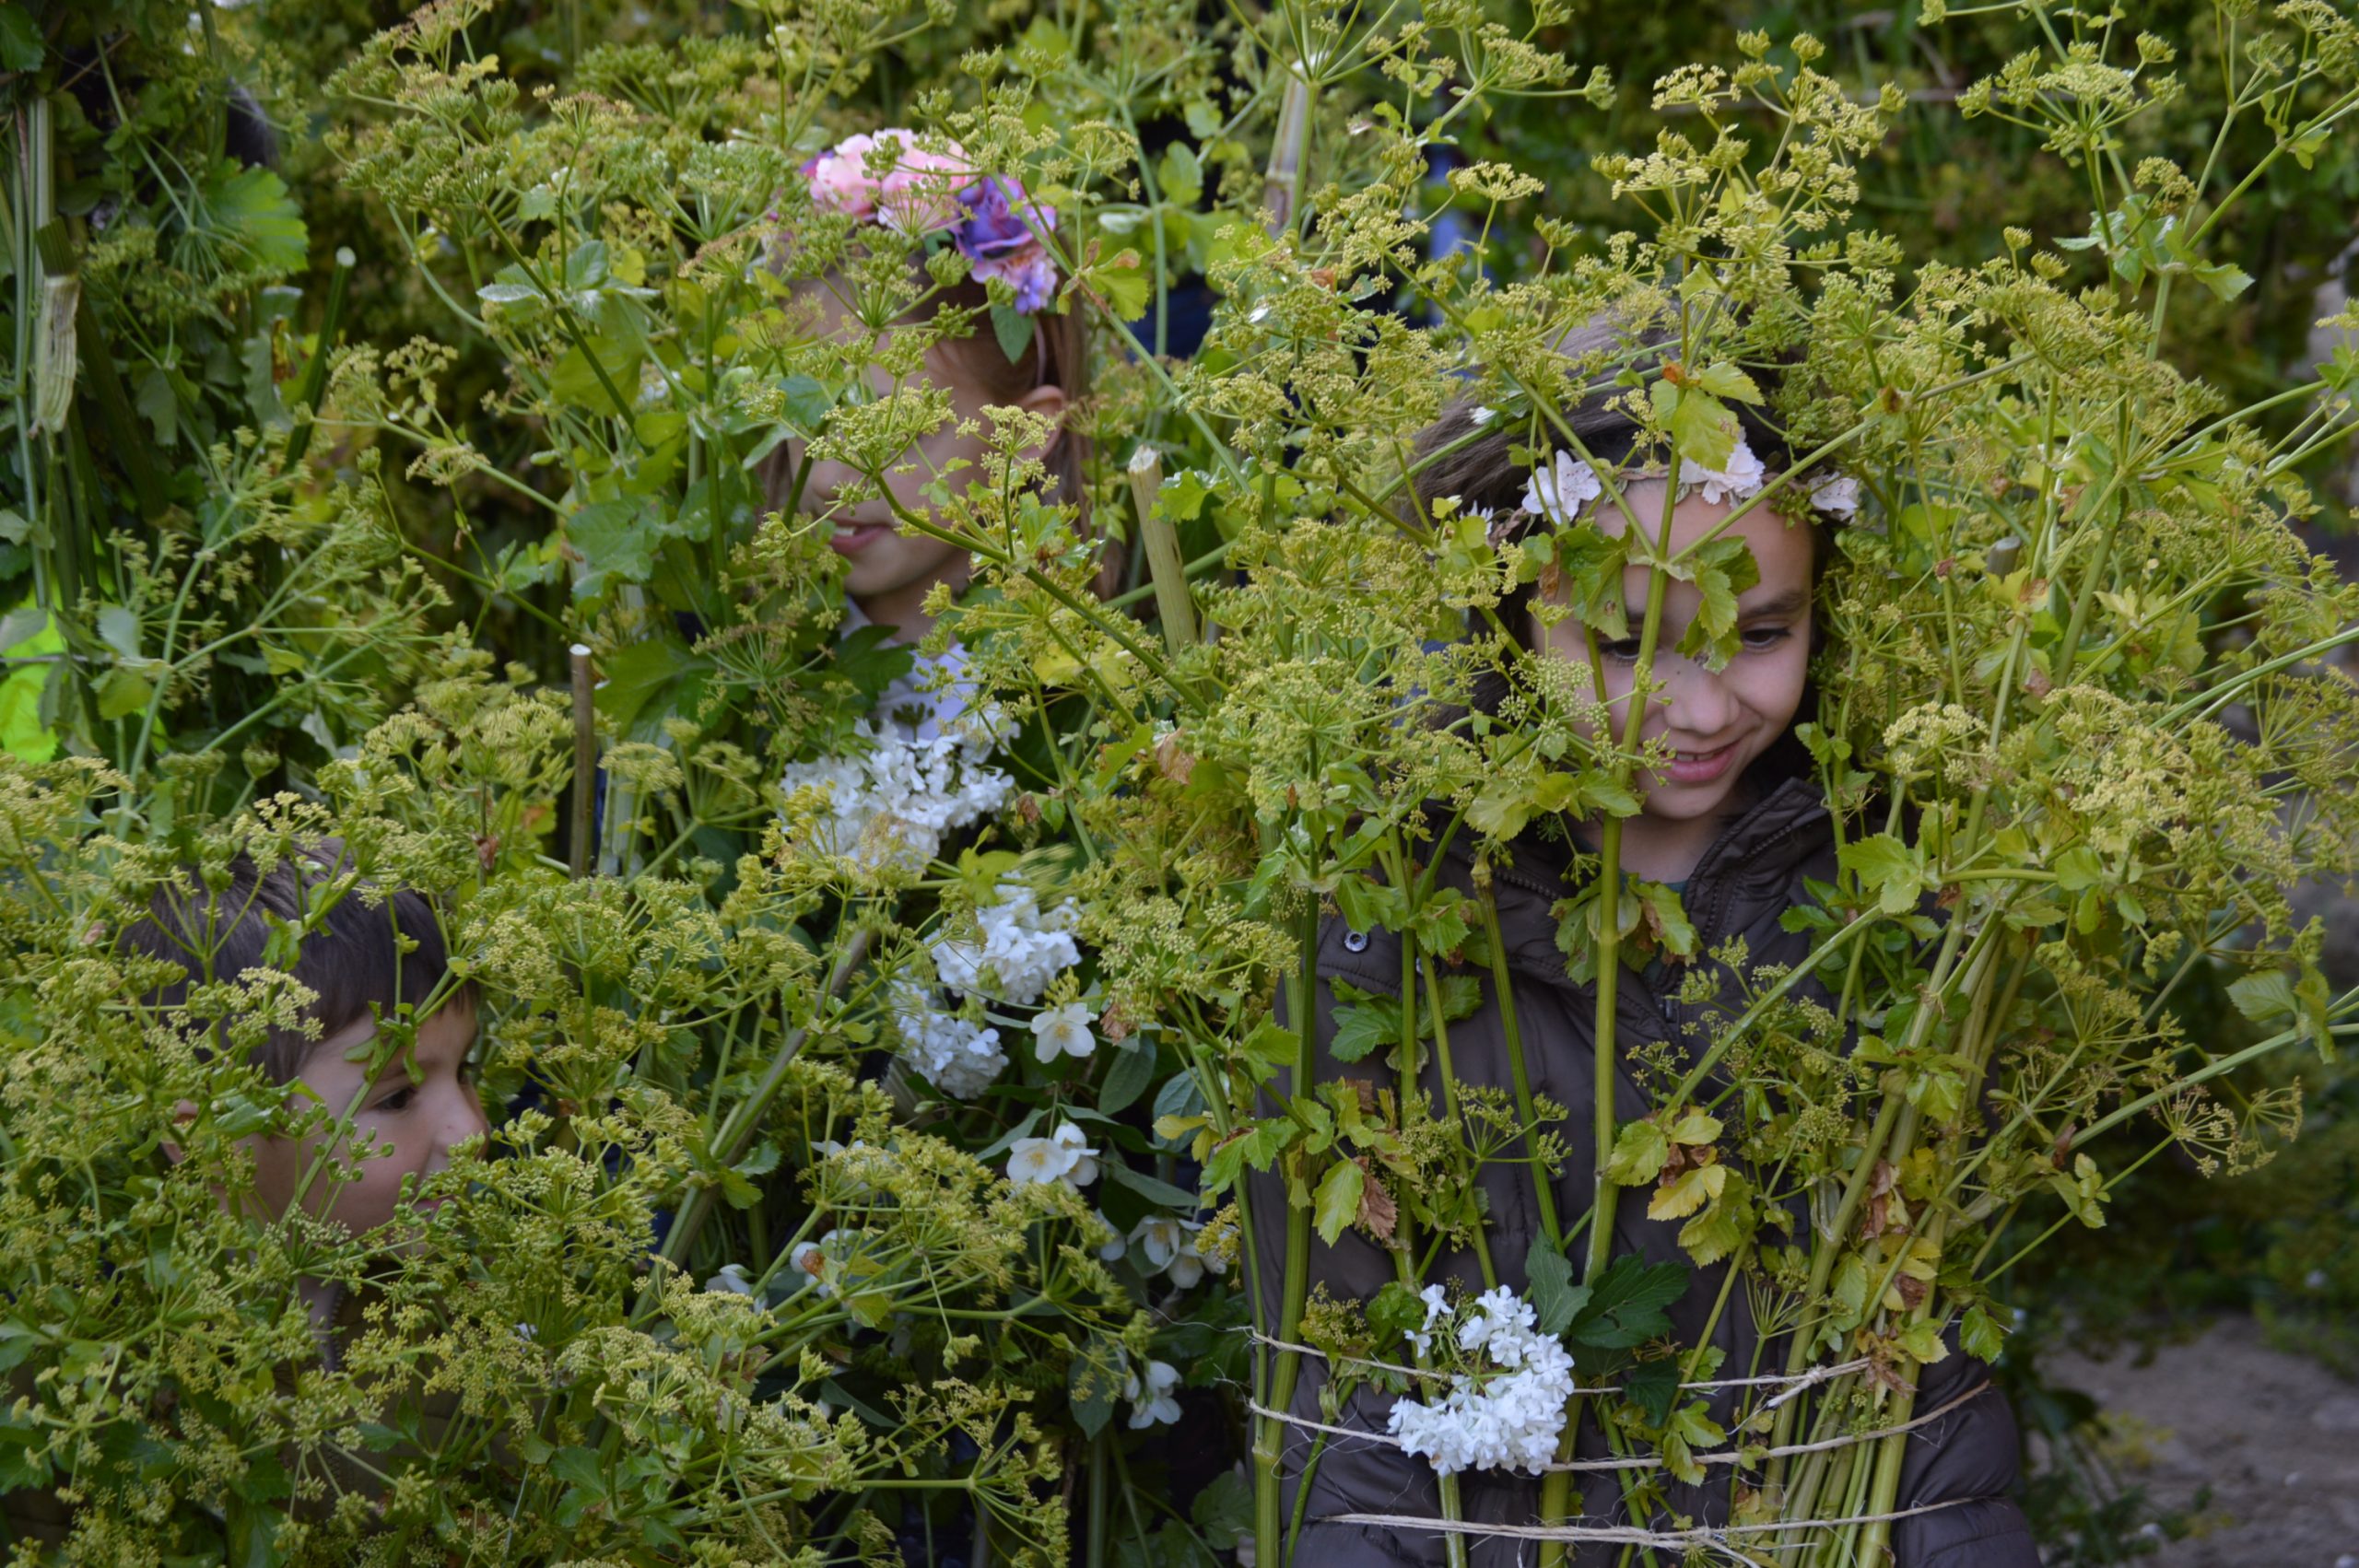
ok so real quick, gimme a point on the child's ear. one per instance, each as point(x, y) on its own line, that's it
point(182, 1114)
point(1050, 402)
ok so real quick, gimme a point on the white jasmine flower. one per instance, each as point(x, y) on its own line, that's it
point(806, 1260)
point(1169, 1244)
point(1507, 1416)
point(1741, 480)
point(1562, 489)
point(955, 1055)
point(1084, 1159)
point(1021, 951)
point(1062, 1030)
point(1064, 1155)
point(1838, 494)
point(733, 1279)
point(1113, 1251)
point(1154, 1402)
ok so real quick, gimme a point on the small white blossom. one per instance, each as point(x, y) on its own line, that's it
point(1111, 1251)
point(1741, 480)
point(1064, 1155)
point(1837, 494)
point(1154, 1402)
point(1062, 1031)
point(1562, 489)
point(1505, 1416)
point(955, 1055)
point(1437, 1302)
point(1481, 415)
point(894, 805)
point(1170, 1245)
point(1022, 948)
point(732, 1281)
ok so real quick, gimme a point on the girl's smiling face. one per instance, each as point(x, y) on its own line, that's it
point(399, 1128)
point(1713, 722)
point(891, 572)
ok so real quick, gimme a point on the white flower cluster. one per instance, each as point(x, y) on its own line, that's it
point(1506, 1415)
point(893, 805)
point(1022, 948)
point(1167, 1244)
point(955, 1055)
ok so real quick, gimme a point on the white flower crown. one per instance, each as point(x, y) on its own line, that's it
point(1564, 488)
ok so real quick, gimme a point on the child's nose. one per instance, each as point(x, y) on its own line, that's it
point(1697, 701)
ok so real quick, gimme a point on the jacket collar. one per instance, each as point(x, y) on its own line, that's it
point(1758, 853)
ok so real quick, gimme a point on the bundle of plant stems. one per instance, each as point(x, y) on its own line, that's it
point(742, 1272)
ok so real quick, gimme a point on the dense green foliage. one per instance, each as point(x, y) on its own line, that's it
point(332, 486)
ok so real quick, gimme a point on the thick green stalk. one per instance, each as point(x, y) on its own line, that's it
point(1269, 1450)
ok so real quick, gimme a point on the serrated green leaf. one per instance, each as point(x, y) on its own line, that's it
point(1337, 1204)
point(1639, 1151)
point(1554, 1296)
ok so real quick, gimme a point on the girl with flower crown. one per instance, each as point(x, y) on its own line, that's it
point(1733, 822)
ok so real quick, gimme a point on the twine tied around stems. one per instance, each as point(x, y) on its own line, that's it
point(1739, 1456)
point(1709, 1538)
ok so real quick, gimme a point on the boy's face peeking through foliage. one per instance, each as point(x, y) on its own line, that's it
point(1714, 724)
point(401, 1123)
point(891, 572)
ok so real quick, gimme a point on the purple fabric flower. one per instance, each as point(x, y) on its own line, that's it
point(1000, 235)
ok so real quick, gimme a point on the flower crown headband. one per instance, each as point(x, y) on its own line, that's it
point(987, 216)
point(1563, 489)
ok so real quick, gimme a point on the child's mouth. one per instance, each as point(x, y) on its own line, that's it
point(851, 538)
point(1699, 767)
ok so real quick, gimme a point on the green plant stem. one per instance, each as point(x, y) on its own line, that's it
point(1286, 1365)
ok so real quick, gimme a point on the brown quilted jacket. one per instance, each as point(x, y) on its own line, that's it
point(1749, 877)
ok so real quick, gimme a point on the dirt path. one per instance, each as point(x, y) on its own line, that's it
point(2275, 1436)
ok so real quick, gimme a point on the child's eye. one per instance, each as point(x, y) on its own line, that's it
point(398, 1101)
point(1621, 650)
point(1761, 638)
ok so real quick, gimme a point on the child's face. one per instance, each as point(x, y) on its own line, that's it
point(1715, 722)
point(891, 572)
point(399, 1128)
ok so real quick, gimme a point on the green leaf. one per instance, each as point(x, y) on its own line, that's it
point(1132, 1070)
point(1182, 496)
point(1726, 380)
point(1639, 1151)
point(1979, 1335)
point(617, 540)
point(1337, 1204)
point(1093, 1382)
point(1013, 329)
point(1177, 1198)
point(1365, 1021)
point(1626, 1304)
point(1724, 1226)
point(20, 41)
point(1887, 867)
point(1224, 1511)
point(123, 692)
point(1552, 1293)
point(1180, 176)
point(246, 211)
point(1702, 428)
point(1653, 1385)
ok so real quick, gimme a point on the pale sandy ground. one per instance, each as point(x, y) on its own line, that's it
point(2275, 1436)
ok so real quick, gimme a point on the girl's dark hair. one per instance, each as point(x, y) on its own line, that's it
point(352, 959)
